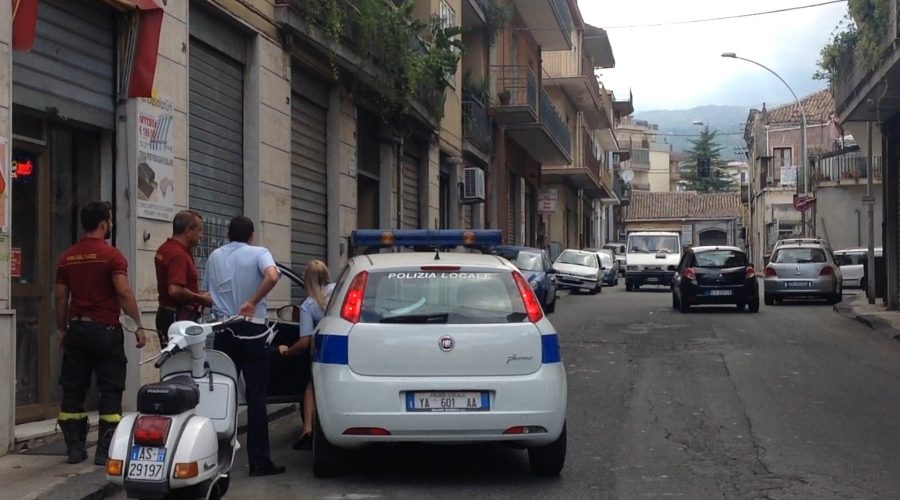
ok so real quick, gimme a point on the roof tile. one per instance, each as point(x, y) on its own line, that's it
point(819, 108)
point(663, 206)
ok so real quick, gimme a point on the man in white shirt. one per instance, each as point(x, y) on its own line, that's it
point(238, 277)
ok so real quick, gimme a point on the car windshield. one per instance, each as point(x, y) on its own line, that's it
point(719, 259)
point(578, 259)
point(605, 259)
point(653, 244)
point(416, 296)
point(800, 256)
point(524, 260)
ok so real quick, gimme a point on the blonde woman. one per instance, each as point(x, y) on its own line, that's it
point(318, 285)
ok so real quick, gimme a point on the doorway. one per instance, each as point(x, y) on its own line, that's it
point(53, 176)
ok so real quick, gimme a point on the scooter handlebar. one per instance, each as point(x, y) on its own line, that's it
point(163, 357)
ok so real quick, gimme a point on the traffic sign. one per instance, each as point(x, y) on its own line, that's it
point(868, 199)
point(803, 202)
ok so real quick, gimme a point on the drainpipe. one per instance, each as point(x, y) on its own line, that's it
point(399, 182)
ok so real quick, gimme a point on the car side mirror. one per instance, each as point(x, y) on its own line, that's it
point(289, 312)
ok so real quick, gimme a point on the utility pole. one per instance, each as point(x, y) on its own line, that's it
point(870, 218)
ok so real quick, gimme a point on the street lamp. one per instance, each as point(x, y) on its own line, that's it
point(804, 152)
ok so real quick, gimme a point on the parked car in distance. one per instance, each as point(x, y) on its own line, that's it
point(578, 270)
point(803, 270)
point(852, 262)
point(609, 268)
point(618, 250)
point(715, 275)
point(535, 265)
point(799, 241)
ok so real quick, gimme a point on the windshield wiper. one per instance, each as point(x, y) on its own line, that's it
point(417, 318)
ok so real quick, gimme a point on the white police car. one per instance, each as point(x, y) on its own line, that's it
point(436, 347)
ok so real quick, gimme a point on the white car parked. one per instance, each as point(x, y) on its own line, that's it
point(852, 261)
point(579, 270)
point(436, 347)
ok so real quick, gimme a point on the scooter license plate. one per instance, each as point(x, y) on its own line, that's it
point(146, 463)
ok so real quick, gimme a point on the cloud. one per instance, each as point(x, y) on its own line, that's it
point(680, 66)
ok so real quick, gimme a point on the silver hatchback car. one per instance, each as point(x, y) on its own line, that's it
point(803, 270)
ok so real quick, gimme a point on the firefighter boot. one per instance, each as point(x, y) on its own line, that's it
point(75, 433)
point(105, 433)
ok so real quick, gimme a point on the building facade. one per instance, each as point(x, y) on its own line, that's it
point(701, 218)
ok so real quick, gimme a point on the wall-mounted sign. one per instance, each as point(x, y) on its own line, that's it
point(15, 263)
point(547, 198)
point(155, 159)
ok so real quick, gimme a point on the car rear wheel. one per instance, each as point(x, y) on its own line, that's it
point(326, 456)
point(684, 306)
point(549, 460)
point(675, 303)
point(769, 300)
point(551, 306)
point(740, 306)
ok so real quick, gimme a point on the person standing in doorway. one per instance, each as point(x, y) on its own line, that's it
point(317, 282)
point(176, 275)
point(91, 289)
point(239, 276)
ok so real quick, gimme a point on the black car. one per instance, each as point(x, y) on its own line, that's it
point(715, 275)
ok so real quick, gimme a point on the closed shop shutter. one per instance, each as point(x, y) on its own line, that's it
point(309, 207)
point(512, 203)
point(410, 187)
point(72, 66)
point(216, 131)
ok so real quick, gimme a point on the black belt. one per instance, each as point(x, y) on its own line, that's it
point(87, 319)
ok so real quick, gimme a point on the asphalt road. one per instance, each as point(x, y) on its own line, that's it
point(792, 402)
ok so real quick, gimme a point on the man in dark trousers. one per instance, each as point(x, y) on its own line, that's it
point(176, 275)
point(91, 288)
point(239, 276)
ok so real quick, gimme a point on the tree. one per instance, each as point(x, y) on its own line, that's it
point(703, 171)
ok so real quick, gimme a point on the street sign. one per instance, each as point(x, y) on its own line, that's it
point(547, 200)
point(868, 199)
point(803, 202)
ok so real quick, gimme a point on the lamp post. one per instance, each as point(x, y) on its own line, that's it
point(803, 146)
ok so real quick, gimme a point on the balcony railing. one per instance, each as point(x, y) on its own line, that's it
point(591, 162)
point(555, 125)
point(848, 167)
point(640, 156)
point(476, 122)
point(516, 86)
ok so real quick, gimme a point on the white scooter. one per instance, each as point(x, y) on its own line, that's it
point(183, 440)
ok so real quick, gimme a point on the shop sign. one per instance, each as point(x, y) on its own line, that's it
point(155, 159)
point(547, 198)
point(15, 263)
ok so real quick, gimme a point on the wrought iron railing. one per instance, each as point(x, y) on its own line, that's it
point(516, 86)
point(555, 125)
point(845, 168)
point(476, 122)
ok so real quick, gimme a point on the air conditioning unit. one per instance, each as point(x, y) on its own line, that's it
point(473, 185)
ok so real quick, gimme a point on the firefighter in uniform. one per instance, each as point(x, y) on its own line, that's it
point(91, 288)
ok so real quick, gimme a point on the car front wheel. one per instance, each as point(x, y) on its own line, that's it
point(549, 460)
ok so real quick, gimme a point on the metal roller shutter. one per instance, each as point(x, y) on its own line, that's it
point(309, 199)
point(72, 66)
point(410, 188)
point(513, 208)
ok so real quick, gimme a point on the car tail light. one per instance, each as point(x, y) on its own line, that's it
point(532, 306)
point(827, 271)
point(366, 431)
point(440, 268)
point(352, 306)
point(151, 430)
point(751, 273)
point(770, 273)
point(689, 274)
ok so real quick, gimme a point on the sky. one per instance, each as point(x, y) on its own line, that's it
point(680, 66)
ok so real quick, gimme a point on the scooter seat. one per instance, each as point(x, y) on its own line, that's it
point(170, 397)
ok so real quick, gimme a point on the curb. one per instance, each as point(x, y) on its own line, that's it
point(105, 489)
point(872, 321)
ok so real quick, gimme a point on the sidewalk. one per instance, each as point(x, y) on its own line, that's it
point(41, 472)
point(875, 316)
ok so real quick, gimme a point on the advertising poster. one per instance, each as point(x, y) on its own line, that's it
point(155, 159)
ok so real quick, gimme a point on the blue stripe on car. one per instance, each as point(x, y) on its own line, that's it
point(331, 349)
point(550, 349)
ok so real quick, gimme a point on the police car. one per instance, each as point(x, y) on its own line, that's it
point(436, 347)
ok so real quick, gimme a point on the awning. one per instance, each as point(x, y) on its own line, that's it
point(141, 50)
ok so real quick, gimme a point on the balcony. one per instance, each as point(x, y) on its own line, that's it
point(586, 170)
point(476, 123)
point(550, 20)
point(846, 168)
point(857, 82)
point(529, 116)
point(575, 76)
point(640, 159)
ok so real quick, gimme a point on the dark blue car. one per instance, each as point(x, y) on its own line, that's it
point(535, 265)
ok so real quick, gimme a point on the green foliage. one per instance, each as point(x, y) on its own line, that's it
point(706, 147)
point(387, 34)
point(498, 15)
point(860, 37)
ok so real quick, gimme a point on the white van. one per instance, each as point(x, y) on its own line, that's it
point(651, 258)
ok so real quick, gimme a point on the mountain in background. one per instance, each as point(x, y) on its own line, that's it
point(676, 127)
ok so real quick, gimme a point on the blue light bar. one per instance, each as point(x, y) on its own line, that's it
point(431, 238)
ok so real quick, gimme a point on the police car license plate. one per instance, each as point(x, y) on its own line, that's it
point(146, 463)
point(447, 401)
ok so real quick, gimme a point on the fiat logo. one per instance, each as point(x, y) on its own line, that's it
point(446, 344)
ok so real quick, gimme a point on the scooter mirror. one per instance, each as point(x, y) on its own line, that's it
point(289, 312)
point(128, 323)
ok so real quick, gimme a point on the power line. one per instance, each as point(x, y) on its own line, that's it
point(723, 18)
